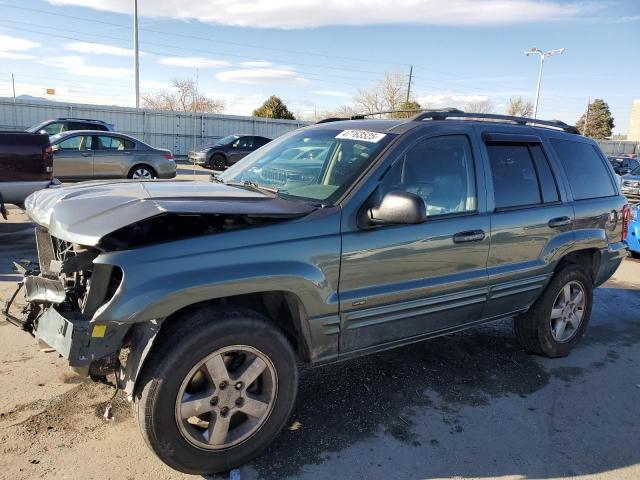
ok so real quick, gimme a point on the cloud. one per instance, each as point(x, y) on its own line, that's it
point(78, 66)
point(331, 93)
point(99, 48)
point(260, 75)
point(154, 85)
point(443, 100)
point(322, 13)
point(12, 48)
point(239, 104)
point(193, 62)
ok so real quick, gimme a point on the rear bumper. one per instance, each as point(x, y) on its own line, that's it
point(610, 259)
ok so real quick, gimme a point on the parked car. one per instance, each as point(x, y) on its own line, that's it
point(59, 125)
point(630, 185)
point(398, 231)
point(623, 165)
point(226, 151)
point(25, 166)
point(633, 237)
point(85, 154)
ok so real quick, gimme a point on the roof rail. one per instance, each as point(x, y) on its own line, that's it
point(453, 113)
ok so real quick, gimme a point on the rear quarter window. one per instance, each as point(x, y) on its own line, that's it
point(586, 171)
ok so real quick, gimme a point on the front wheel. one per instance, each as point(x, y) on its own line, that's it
point(219, 386)
point(557, 320)
point(218, 162)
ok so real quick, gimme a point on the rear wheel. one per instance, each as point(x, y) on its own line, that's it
point(142, 172)
point(219, 386)
point(557, 320)
point(218, 162)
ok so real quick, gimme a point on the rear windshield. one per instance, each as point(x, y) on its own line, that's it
point(587, 173)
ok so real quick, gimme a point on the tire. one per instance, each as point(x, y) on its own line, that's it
point(186, 342)
point(635, 255)
point(218, 162)
point(539, 333)
point(142, 172)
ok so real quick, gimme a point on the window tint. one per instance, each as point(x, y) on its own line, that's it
point(440, 170)
point(548, 186)
point(113, 143)
point(514, 176)
point(244, 142)
point(588, 175)
point(79, 142)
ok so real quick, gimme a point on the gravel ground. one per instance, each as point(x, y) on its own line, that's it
point(469, 405)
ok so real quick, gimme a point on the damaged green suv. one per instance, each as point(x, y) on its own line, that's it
point(336, 240)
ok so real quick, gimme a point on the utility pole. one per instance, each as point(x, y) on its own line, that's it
point(542, 55)
point(586, 120)
point(136, 62)
point(195, 109)
point(13, 84)
point(409, 84)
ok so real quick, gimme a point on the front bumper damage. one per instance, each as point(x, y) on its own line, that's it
point(59, 315)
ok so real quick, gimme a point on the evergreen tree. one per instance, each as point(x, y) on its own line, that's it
point(597, 121)
point(273, 107)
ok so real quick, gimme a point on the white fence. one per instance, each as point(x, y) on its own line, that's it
point(177, 131)
point(619, 147)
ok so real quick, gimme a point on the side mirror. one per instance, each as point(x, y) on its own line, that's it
point(398, 207)
point(55, 148)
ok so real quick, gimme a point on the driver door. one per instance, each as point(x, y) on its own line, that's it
point(400, 282)
point(240, 149)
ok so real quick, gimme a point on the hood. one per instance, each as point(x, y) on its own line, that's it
point(86, 212)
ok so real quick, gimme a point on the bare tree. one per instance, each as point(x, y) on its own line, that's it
point(341, 111)
point(186, 98)
point(519, 107)
point(482, 106)
point(388, 94)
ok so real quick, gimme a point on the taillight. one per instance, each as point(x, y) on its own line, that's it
point(168, 156)
point(46, 155)
point(626, 213)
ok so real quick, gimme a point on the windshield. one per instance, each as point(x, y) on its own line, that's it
point(35, 128)
point(226, 140)
point(315, 164)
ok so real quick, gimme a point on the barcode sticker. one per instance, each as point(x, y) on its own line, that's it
point(362, 135)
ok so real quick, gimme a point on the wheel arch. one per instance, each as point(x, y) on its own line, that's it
point(141, 164)
point(588, 258)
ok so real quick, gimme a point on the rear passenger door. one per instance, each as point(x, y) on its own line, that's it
point(240, 149)
point(113, 156)
point(531, 218)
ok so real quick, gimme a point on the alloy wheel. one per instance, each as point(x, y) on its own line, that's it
point(568, 312)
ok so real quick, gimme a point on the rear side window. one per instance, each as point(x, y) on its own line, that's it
point(515, 183)
point(588, 175)
point(113, 143)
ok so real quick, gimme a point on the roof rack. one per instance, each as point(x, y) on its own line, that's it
point(454, 113)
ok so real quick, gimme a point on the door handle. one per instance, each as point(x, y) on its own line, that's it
point(469, 236)
point(86, 154)
point(559, 222)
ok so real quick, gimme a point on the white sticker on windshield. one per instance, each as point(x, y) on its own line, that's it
point(363, 135)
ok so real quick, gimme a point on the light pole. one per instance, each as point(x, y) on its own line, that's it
point(543, 55)
point(136, 62)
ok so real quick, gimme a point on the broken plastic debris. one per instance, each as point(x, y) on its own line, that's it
point(107, 412)
point(295, 426)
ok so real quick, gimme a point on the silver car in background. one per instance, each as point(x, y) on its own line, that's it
point(88, 154)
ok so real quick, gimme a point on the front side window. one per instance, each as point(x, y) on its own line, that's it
point(113, 143)
point(54, 128)
point(243, 143)
point(588, 175)
point(77, 142)
point(317, 164)
point(440, 170)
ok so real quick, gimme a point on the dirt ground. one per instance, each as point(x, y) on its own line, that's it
point(470, 405)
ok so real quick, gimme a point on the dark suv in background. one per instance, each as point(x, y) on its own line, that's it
point(337, 240)
point(226, 151)
point(59, 125)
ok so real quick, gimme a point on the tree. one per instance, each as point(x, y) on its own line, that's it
point(389, 94)
point(519, 107)
point(481, 106)
point(412, 108)
point(597, 121)
point(187, 98)
point(273, 107)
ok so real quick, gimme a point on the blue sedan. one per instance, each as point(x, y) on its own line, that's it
point(633, 235)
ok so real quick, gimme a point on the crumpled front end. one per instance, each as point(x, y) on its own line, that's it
point(63, 291)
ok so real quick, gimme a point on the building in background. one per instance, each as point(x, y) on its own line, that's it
point(633, 134)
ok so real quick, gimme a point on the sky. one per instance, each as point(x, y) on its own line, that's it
point(317, 54)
